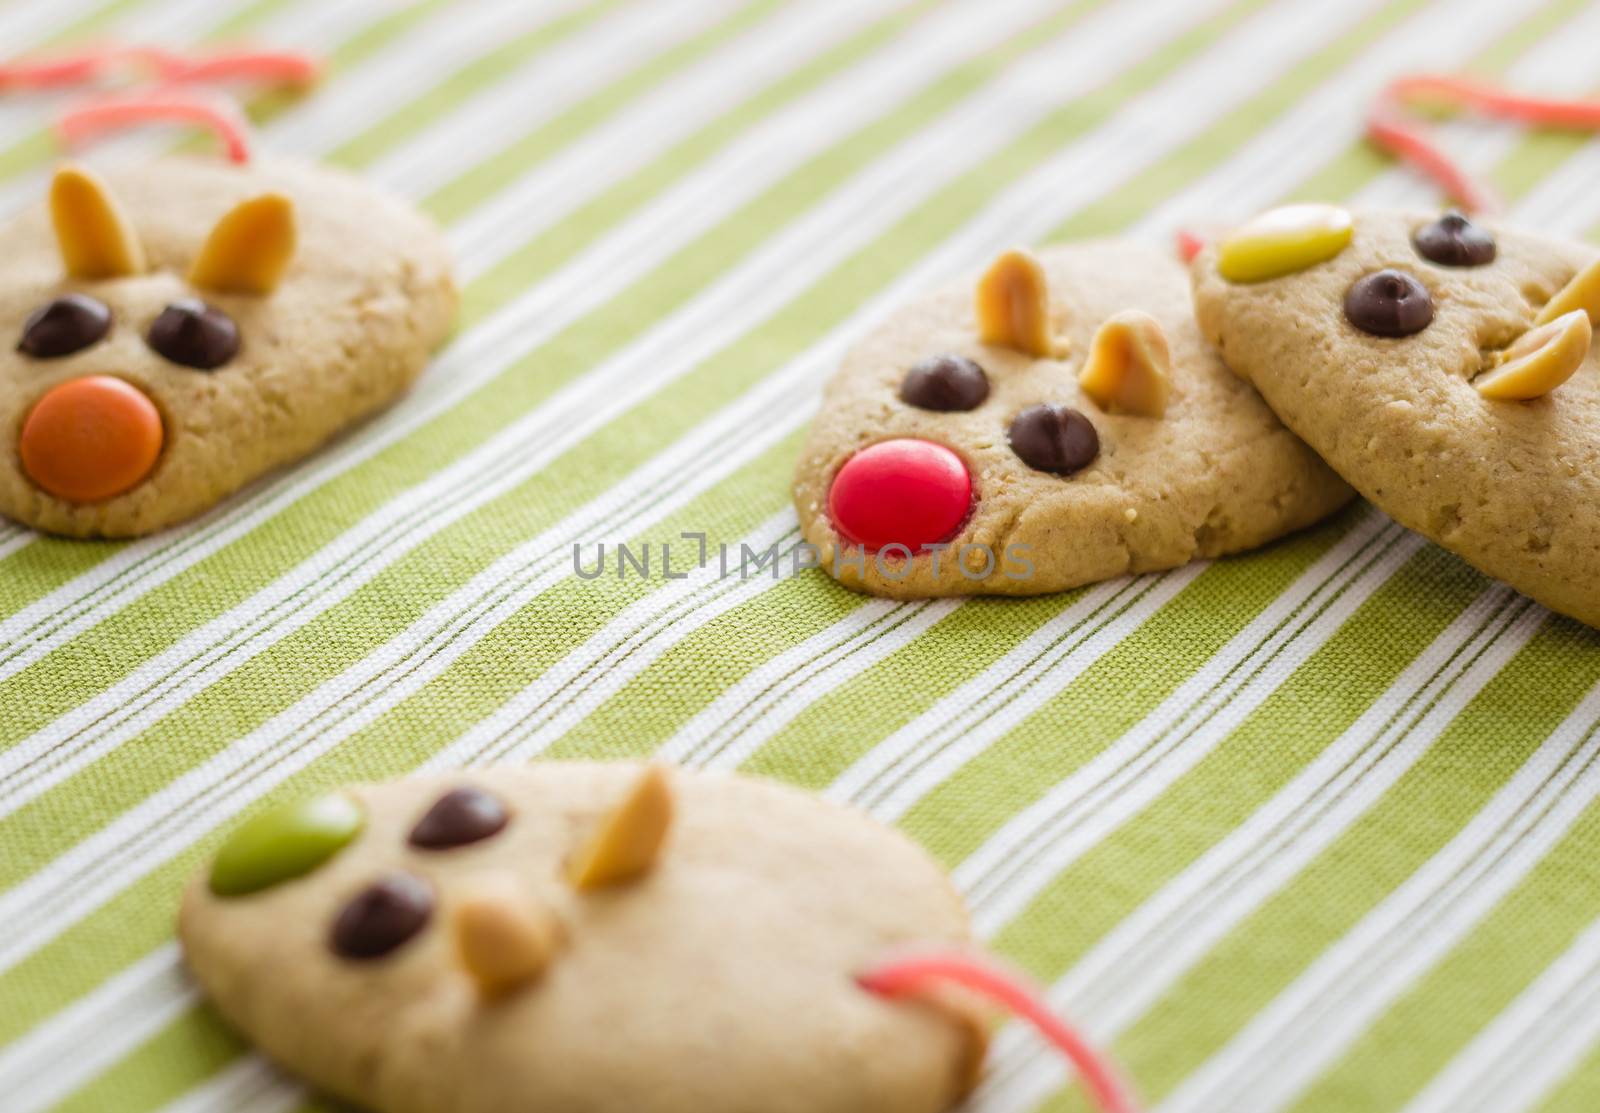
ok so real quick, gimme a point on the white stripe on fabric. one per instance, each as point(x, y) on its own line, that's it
point(1531, 1046)
point(924, 752)
point(1139, 961)
point(124, 1011)
point(603, 53)
point(772, 693)
point(625, 647)
point(1314, 1021)
point(753, 62)
point(250, 1084)
point(1125, 777)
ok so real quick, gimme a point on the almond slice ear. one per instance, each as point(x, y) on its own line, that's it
point(249, 249)
point(1129, 366)
point(628, 841)
point(1013, 305)
point(1583, 292)
point(94, 234)
point(504, 941)
point(1541, 359)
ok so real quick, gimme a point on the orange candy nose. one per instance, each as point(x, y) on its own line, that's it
point(91, 438)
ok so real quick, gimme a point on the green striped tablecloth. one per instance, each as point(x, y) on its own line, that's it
point(1311, 830)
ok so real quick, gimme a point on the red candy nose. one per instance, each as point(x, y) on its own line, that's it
point(906, 492)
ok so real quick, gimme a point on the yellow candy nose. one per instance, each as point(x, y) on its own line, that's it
point(1541, 360)
point(1284, 240)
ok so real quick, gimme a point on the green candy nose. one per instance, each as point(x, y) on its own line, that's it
point(286, 842)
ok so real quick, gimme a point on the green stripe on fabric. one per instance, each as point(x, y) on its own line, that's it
point(198, 1041)
point(1113, 695)
point(1436, 1018)
point(356, 48)
point(1450, 784)
point(834, 731)
point(477, 74)
point(1579, 1092)
point(842, 727)
point(1257, 759)
point(468, 190)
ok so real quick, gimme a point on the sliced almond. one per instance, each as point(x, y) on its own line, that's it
point(504, 939)
point(94, 234)
point(1013, 305)
point(628, 841)
point(249, 248)
point(1129, 369)
point(1583, 292)
point(1541, 359)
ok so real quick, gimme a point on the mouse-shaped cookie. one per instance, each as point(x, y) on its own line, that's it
point(588, 938)
point(1443, 365)
point(179, 329)
point(1056, 421)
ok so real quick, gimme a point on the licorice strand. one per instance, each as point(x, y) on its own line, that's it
point(912, 974)
point(90, 118)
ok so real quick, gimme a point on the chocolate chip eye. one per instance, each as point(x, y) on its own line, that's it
point(194, 334)
point(382, 917)
point(459, 817)
point(69, 324)
point(946, 384)
point(1454, 241)
point(1054, 438)
point(1388, 303)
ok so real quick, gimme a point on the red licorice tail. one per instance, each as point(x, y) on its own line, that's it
point(80, 67)
point(1494, 101)
point(60, 70)
point(275, 67)
point(912, 974)
point(1190, 243)
point(114, 113)
point(1394, 131)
